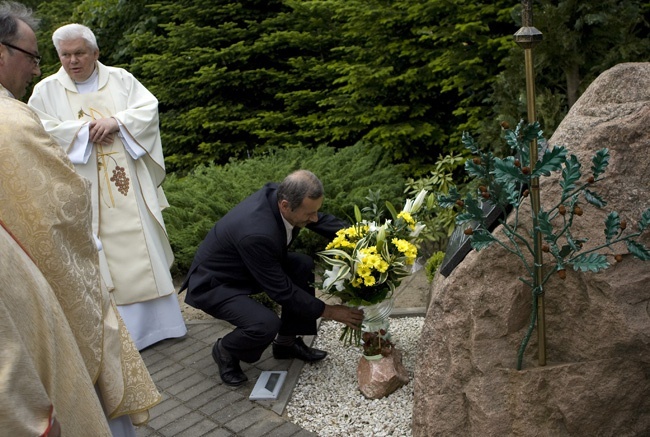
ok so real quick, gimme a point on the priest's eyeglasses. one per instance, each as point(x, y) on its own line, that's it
point(35, 58)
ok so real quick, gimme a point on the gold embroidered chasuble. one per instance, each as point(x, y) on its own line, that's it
point(46, 205)
point(127, 198)
point(40, 363)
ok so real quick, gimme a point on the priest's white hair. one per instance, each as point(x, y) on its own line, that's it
point(74, 31)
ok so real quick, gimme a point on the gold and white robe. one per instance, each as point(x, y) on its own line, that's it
point(46, 205)
point(127, 197)
point(40, 364)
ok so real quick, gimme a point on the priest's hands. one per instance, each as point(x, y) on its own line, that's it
point(350, 317)
point(102, 130)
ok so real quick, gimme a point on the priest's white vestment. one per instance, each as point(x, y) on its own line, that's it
point(127, 196)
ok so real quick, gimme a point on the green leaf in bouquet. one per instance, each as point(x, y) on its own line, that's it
point(530, 132)
point(575, 243)
point(392, 210)
point(509, 194)
point(357, 214)
point(511, 139)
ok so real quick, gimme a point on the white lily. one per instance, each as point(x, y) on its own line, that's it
point(418, 228)
point(330, 278)
point(372, 226)
point(414, 205)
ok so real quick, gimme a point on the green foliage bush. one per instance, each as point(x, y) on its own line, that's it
point(202, 197)
point(440, 222)
point(431, 267)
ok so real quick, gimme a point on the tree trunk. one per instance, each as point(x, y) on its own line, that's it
point(572, 83)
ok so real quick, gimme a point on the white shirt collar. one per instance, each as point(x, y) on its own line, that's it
point(288, 227)
point(9, 93)
point(89, 85)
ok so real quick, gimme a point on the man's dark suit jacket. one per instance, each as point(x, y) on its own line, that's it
point(245, 253)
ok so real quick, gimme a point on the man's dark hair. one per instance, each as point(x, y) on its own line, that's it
point(10, 14)
point(299, 185)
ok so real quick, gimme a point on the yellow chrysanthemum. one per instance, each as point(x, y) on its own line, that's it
point(406, 216)
point(347, 238)
point(408, 249)
point(369, 281)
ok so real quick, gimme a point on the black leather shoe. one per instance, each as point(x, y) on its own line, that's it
point(229, 369)
point(298, 350)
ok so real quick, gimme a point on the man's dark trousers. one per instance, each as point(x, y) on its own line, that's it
point(257, 325)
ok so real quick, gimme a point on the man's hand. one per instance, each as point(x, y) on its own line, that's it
point(350, 317)
point(102, 130)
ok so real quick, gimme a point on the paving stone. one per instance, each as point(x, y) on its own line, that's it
point(195, 390)
point(228, 412)
point(226, 399)
point(145, 431)
point(205, 364)
point(205, 332)
point(181, 375)
point(178, 346)
point(161, 421)
point(213, 392)
point(191, 347)
point(170, 369)
point(158, 365)
point(152, 356)
point(164, 406)
point(187, 379)
point(197, 355)
point(181, 424)
point(287, 429)
point(205, 428)
point(260, 425)
point(258, 418)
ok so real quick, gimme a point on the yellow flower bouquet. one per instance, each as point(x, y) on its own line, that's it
point(364, 263)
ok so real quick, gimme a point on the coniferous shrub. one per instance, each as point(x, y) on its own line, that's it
point(202, 197)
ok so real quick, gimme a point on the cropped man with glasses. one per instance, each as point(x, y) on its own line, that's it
point(35, 58)
point(19, 58)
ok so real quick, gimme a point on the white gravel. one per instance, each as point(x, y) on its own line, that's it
point(327, 401)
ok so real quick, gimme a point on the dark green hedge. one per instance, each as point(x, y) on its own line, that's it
point(199, 199)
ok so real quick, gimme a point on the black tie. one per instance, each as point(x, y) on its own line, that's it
point(294, 233)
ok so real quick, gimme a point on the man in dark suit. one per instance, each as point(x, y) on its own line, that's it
point(246, 253)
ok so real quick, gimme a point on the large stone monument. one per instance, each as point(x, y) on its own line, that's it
point(596, 381)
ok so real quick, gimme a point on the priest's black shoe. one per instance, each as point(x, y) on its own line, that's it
point(298, 350)
point(229, 369)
